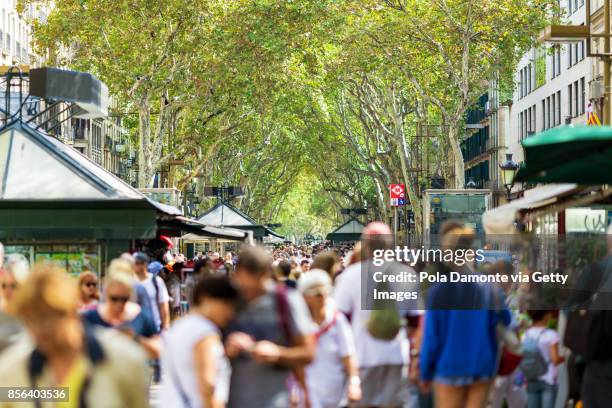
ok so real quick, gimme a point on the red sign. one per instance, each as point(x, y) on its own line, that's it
point(397, 194)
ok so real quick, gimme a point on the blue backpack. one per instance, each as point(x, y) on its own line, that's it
point(533, 365)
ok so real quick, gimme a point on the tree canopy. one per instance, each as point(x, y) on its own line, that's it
point(311, 106)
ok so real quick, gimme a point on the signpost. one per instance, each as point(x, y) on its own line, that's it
point(397, 196)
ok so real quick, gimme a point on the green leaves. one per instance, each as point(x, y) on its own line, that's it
point(213, 81)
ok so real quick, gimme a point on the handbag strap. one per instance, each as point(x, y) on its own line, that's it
point(325, 328)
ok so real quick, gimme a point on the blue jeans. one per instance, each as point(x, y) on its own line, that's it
point(541, 394)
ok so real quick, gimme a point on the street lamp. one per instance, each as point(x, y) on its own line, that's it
point(508, 171)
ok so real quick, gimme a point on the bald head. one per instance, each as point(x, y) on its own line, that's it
point(376, 236)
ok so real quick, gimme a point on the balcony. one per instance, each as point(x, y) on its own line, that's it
point(477, 113)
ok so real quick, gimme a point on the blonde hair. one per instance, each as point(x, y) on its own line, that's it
point(84, 277)
point(48, 289)
point(120, 265)
point(119, 277)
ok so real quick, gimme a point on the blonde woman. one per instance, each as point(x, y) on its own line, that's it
point(15, 272)
point(98, 368)
point(118, 312)
point(88, 291)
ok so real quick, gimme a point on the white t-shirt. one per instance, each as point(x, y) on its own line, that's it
point(371, 351)
point(546, 339)
point(178, 364)
point(164, 297)
point(325, 376)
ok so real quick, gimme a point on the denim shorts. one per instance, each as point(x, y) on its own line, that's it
point(461, 381)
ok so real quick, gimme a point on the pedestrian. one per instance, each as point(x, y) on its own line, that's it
point(329, 262)
point(271, 336)
point(229, 263)
point(304, 266)
point(510, 388)
point(118, 312)
point(88, 291)
point(98, 367)
point(196, 371)
point(355, 255)
point(15, 270)
point(460, 347)
point(589, 332)
point(13, 275)
point(382, 363)
point(156, 289)
point(284, 273)
point(541, 357)
point(333, 375)
point(170, 275)
point(295, 269)
point(127, 264)
point(218, 263)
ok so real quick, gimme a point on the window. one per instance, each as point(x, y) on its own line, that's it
point(570, 105)
point(553, 110)
point(582, 96)
point(543, 114)
point(529, 82)
point(558, 107)
point(576, 100)
point(576, 53)
point(532, 125)
point(556, 61)
point(521, 135)
point(528, 121)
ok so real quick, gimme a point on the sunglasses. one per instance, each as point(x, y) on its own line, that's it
point(12, 286)
point(91, 284)
point(119, 299)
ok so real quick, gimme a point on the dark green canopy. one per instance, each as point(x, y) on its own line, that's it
point(566, 154)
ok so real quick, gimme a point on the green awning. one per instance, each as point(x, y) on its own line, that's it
point(566, 154)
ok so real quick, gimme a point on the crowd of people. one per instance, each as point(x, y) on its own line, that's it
point(288, 327)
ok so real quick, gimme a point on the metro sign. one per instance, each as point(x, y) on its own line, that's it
point(397, 194)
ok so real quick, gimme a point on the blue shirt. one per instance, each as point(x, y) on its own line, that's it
point(460, 343)
point(141, 325)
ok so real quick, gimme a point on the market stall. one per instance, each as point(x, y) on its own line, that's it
point(349, 231)
point(225, 215)
point(56, 204)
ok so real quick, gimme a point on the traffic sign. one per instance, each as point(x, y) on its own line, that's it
point(397, 194)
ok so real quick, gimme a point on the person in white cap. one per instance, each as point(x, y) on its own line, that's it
point(333, 374)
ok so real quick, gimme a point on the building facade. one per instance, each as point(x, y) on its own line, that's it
point(552, 86)
point(487, 128)
point(103, 140)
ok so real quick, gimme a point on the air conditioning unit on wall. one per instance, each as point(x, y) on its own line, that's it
point(596, 89)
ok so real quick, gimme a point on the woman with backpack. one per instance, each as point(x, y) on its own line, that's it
point(540, 360)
